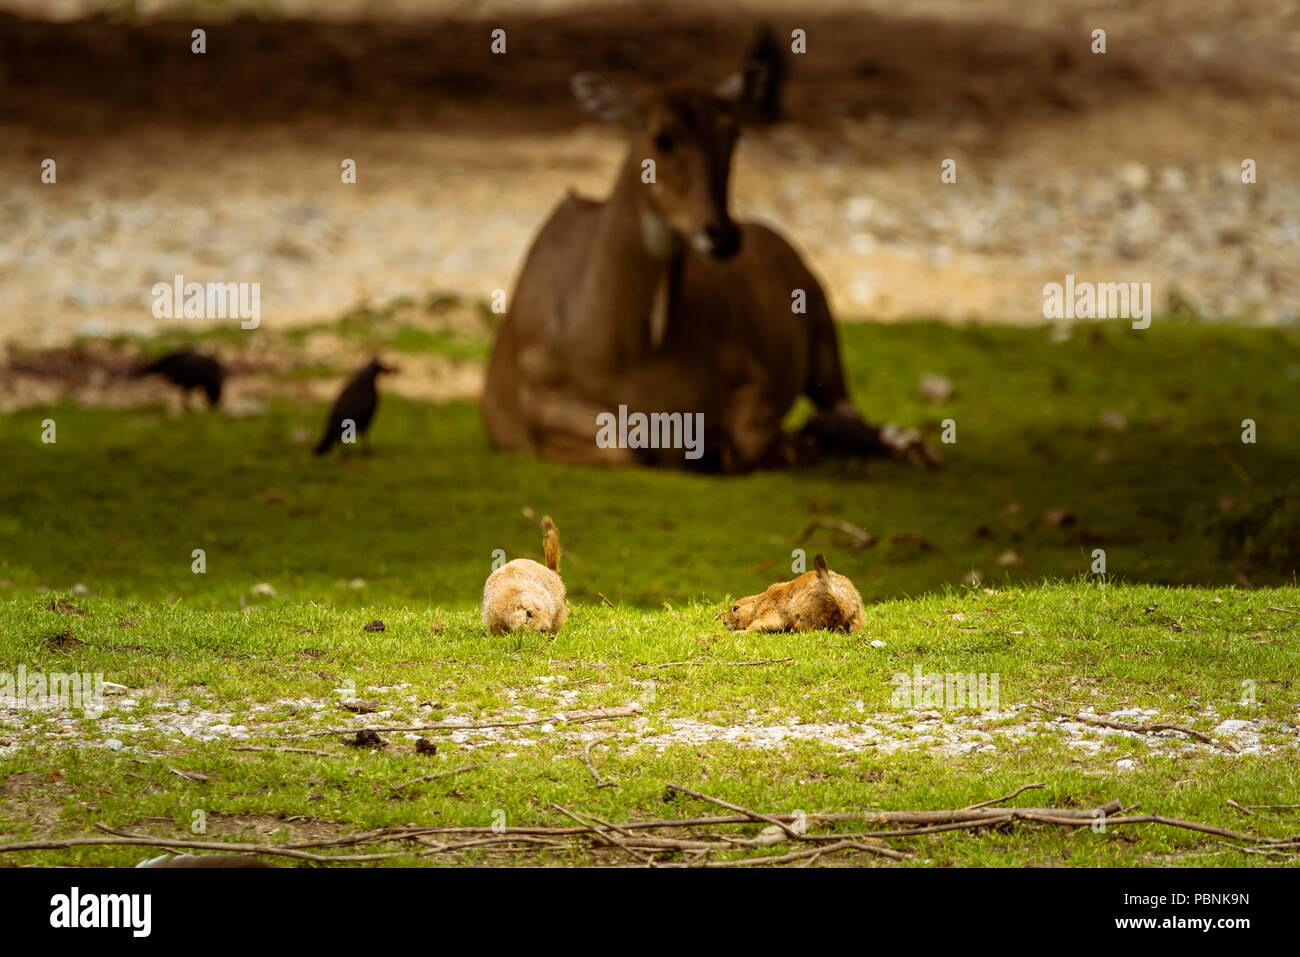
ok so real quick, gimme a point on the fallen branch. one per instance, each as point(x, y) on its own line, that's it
point(189, 775)
point(632, 839)
point(769, 859)
point(586, 756)
point(648, 861)
point(1137, 728)
point(1244, 810)
point(324, 754)
point(1005, 797)
point(859, 537)
point(434, 777)
point(752, 815)
point(1269, 851)
point(730, 664)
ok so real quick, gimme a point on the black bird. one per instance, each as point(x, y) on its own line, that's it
point(189, 370)
point(356, 402)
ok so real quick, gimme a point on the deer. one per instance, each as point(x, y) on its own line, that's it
point(657, 300)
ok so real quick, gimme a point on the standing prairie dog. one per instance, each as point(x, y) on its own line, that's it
point(523, 594)
point(820, 598)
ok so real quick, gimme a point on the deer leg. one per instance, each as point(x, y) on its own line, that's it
point(565, 428)
point(752, 434)
point(837, 428)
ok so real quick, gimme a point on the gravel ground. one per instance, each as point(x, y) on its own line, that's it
point(168, 721)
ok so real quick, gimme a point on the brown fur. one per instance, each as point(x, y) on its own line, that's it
point(525, 595)
point(644, 300)
point(820, 598)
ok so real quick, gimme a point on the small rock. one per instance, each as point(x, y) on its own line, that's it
point(357, 583)
point(1135, 176)
point(1059, 518)
point(1173, 179)
point(113, 744)
point(263, 589)
point(1011, 559)
point(1112, 419)
point(936, 389)
point(1231, 726)
point(1125, 764)
point(80, 590)
point(876, 643)
point(112, 687)
point(375, 625)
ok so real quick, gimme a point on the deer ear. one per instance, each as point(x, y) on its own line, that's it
point(599, 97)
point(746, 86)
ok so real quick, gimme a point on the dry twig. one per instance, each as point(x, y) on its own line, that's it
point(1137, 728)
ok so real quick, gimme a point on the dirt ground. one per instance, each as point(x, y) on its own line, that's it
point(225, 167)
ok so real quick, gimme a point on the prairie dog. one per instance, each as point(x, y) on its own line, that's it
point(523, 594)
point(820, 598)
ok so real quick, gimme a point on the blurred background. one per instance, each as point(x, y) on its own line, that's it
point(226, 165)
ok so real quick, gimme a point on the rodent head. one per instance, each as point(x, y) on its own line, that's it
point(529, 613)
point(741, 613)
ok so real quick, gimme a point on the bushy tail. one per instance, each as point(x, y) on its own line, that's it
point(551, 543)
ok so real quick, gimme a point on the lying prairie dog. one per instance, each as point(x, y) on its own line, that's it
point(820, 598)
point(523, 594)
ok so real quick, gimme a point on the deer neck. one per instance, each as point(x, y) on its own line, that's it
point(627, 289)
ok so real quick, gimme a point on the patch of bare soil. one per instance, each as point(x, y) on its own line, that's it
point(98, 372)
point(269, 829)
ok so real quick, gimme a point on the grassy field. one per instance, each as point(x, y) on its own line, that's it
point(1118, 440)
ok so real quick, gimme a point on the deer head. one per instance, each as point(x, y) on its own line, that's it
point(690, 134)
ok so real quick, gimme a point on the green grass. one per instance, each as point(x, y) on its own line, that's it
point(276, 672)
point(123, 497)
